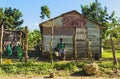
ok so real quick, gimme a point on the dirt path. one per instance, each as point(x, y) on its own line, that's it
point(45, 77)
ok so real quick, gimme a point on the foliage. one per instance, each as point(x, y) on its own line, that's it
point(66, 66)
point(90, 12)
point(106, 64)
point(103, 18)
point(60, 69)
point(70, 66)
point(34, 68)
point(10, 18)
point(45, 12)
point(26, 68)
point(34, 38)
point(20, 28)
point(106, 44)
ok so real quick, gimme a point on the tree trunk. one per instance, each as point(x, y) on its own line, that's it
point(1, 41)
point(26, 44)
point(113, 52)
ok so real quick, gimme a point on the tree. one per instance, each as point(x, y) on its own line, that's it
point(34, 38)
point(103, 18)
point(10, 18)
point(45, 12)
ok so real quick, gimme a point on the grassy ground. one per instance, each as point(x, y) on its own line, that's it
point(62, 69)
point(108, 54)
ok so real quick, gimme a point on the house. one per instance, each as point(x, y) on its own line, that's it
point(69, 25)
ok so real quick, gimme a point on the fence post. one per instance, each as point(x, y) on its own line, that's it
point(20, 38)
point(26, 44)
point(115, 62)
point(75, 46)
point(1, 41)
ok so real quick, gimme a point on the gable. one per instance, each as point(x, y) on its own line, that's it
point(73, 19)
point(69, 19)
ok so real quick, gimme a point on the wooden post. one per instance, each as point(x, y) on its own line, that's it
point(23, 45)
point(51, 57)
point(89, 50)
point(75, 47)
point(88, 46)
point(115, 62)
point(1, 40)
point(20, 40)
point(26, 44)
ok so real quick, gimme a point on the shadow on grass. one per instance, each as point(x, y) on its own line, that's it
point(79, 73)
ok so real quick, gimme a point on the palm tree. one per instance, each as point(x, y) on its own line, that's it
point(46, 12)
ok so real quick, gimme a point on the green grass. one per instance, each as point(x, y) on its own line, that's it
point(108, 54)
point(62, 68)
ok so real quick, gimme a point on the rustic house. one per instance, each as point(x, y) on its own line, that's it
point(68, 25)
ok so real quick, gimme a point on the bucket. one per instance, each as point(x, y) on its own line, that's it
point(8, 61)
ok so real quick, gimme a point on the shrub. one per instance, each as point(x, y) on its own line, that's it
point(66, 66)
point(26, 68)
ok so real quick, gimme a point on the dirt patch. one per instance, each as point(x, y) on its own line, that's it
point(46, 77)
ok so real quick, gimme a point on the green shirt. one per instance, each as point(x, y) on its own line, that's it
point(61, 46)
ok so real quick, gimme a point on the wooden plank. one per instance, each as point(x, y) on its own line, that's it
point(93, 36)
point(94, 30)
point(80, 36)
point(95, 43)
point(80, 30)
point(1, 43)
point(26, 44)
point(81, 50)
point(95, 49)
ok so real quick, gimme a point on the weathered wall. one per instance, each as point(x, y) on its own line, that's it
point(94, 36)
point(68, 40)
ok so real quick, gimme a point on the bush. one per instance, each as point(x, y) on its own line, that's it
point(59, 66)
point(66, 66)
point(26, 68)
point(106, 65)
point(70, 66)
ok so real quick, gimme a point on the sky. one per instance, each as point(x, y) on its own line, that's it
point(31, 8)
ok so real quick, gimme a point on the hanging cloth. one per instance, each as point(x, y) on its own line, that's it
point(20, 52)
point(9, 50)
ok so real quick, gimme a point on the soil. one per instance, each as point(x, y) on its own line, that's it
point(46, 77)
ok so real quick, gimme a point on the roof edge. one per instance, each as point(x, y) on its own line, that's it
point(101, 25)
